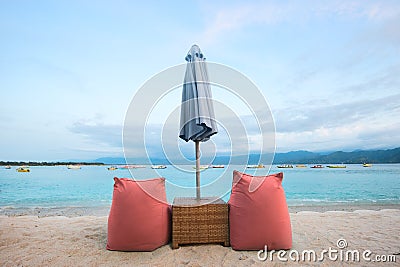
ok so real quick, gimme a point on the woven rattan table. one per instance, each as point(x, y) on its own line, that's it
point(199, 221)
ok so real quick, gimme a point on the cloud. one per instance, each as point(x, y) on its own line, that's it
point(101, 134)
point(372, 10)
point(363, 124)
point(236, 135)
point(353, 125)
point(232, 18)
point(353, 135)
point(380, 137)
point(300, 119)
point(384, 82)
point(386, 32)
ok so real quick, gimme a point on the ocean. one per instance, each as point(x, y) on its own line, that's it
point(92, 186)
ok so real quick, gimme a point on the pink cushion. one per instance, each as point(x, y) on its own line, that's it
point(260, 217)
point(139, 219)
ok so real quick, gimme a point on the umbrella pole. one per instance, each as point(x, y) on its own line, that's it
point(197, 170)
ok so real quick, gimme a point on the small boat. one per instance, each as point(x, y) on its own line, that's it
point(23, 169)
point(367, 165)
point(286, 166)
point(73, 167)
point(301, 166)
point(133, 166)
point(7, 167)
point(218, 166)
point(202, 167)
point(317, 167)
point(158, 167)
point(127, 167)
point(112, 168)
point(259, 166)
point(336, 166)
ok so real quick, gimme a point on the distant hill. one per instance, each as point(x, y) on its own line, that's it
point(361, 156)
point(293, 157)
point(296, 157)
point(356, 157)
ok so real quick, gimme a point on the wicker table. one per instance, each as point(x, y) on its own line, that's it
point(199, 221)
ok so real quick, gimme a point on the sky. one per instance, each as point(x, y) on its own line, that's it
point(329, 70)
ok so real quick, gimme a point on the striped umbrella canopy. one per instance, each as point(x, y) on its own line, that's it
point(197, 111)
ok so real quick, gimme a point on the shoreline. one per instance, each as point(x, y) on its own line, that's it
point(342, 207)
point(104, 210)
point(81, 241)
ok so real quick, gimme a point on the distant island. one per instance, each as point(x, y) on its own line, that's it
point(292, 157)
point(354, 157)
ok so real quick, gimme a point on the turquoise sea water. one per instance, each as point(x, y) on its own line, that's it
point(92, 186)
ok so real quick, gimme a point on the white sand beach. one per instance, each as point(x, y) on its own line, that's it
point(81, 241)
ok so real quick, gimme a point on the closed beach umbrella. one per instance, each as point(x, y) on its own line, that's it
point(197, 110)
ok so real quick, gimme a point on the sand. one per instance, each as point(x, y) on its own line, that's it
point(80, 241)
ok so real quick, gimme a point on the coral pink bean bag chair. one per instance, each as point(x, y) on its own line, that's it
point(139, 218)
point(259, 218)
